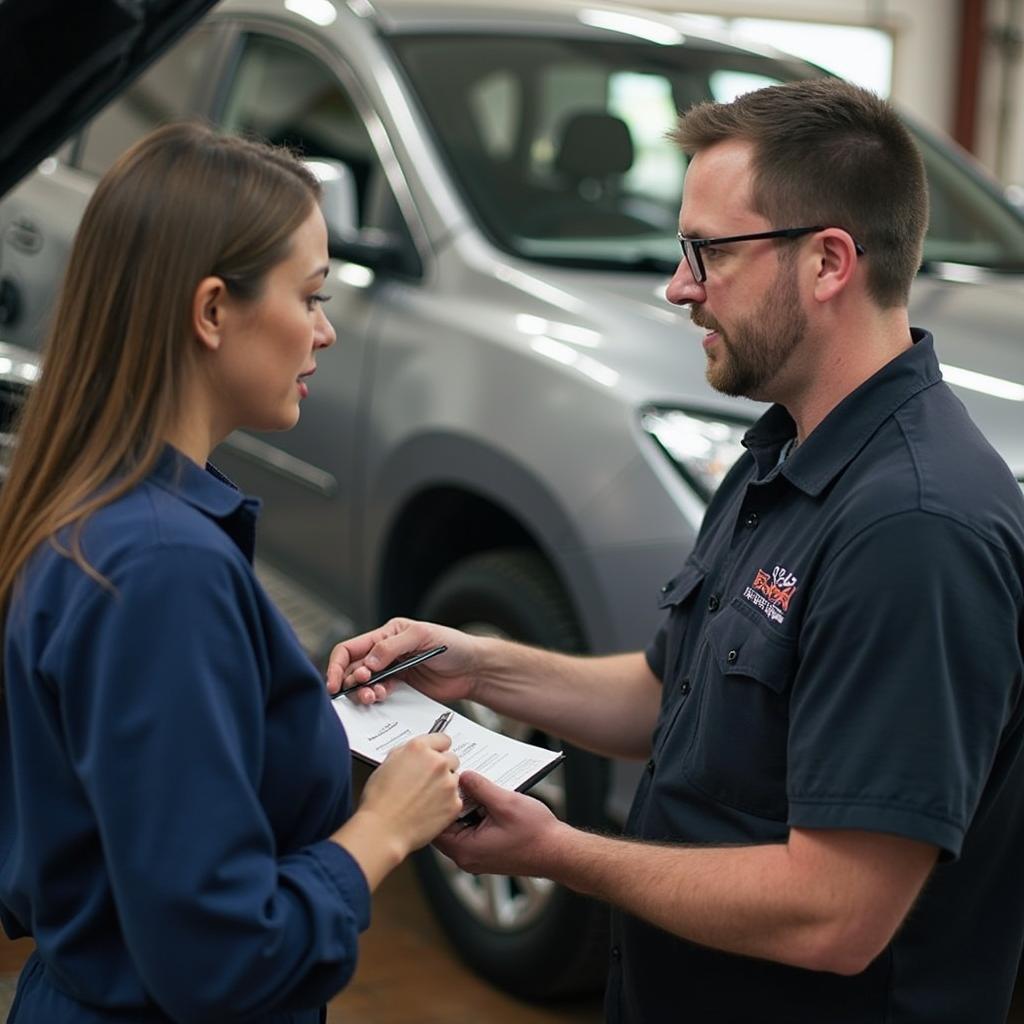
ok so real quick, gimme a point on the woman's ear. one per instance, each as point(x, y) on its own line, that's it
point(209, 312)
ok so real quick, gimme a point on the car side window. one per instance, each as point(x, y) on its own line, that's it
point(165, 92)
point(283, 94)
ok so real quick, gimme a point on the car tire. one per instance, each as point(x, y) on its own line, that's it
point(529, 937)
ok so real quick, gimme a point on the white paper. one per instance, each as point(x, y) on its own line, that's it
point(375, 729)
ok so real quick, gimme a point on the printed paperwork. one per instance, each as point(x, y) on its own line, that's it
point(374, 729)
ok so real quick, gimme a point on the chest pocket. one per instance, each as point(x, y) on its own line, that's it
point(677, 599)
point(680, 587)
point(737, 754)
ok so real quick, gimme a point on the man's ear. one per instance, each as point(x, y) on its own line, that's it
point(836, 256)
point(209, 312)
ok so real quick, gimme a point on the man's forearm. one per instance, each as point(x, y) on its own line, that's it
point(802, 904)
point(605, 704)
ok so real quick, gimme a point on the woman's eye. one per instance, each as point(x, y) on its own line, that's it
point(316, 300)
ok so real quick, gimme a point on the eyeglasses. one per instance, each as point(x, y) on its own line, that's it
point(692, 246)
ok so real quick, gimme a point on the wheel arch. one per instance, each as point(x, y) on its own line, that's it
point(481, 499)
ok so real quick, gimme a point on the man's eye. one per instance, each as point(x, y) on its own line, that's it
point(710, 252)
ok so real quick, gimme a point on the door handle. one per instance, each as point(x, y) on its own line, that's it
point(25, 236)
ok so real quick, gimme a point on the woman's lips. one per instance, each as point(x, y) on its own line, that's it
point(303, 386)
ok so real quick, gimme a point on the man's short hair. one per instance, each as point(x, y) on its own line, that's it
point(831, 153)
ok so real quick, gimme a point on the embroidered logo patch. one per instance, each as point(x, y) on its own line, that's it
point(772, 593)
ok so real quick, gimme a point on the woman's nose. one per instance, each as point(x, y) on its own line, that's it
point(324, 335)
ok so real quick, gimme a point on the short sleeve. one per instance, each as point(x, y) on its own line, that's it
point(655, 652)
point(910, 667)
point(163, 686)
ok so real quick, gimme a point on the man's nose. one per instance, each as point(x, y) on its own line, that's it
point(684, 288)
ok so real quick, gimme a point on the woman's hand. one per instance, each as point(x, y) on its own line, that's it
point(406, 802)
point(448, 677)
point(415, 791)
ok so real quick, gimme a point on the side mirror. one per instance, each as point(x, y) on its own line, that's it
point(370, 247)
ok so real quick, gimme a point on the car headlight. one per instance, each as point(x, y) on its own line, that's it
point(703, 447)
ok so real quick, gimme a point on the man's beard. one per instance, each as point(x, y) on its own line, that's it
point(754, 352)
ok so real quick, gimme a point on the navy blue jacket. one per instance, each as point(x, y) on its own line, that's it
point(170, 770)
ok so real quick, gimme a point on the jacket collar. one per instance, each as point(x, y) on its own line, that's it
point(211, 493)
point(849, 426)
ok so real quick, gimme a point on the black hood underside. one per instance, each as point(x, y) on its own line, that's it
point(62, 60)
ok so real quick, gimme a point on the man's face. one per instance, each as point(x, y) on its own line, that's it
point(750, 355)
point(750, 303)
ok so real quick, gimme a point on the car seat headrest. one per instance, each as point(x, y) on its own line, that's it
point(594, 145)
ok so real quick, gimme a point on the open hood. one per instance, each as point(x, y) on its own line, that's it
point(62, 60)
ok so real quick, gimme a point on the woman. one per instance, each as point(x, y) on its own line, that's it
point(175, 828)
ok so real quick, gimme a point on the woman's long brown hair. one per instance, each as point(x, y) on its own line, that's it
point(183, 204)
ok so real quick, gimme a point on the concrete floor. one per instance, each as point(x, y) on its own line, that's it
point(407, 973)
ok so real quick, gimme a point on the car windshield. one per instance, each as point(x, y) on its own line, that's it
point(560, 147)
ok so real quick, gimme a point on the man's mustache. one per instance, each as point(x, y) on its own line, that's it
point(705, 320)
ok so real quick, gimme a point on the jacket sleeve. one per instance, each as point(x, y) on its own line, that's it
point(164, 688)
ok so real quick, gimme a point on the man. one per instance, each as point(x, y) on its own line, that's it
point(830, 827)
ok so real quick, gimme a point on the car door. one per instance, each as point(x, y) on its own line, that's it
point(287, 89)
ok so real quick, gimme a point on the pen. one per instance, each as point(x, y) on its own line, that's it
point(442, 722)
point(395, 668)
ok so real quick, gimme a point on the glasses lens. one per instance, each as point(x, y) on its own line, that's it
point(692, 257)
point(693, 260)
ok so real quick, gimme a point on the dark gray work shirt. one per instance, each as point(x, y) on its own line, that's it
point(843, 649)
point(170, 770)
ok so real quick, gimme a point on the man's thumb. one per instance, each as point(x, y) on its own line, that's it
point(480, 790)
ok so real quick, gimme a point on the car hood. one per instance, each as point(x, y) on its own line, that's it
point(62, 60)
point(620, 329)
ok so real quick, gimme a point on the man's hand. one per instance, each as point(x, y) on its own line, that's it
point(448, 677)
point(518, 835)
point(607, 704)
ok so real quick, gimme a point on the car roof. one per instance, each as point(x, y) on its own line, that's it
point(565, 17)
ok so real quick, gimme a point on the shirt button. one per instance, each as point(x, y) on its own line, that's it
point(616, 953)
point(713, 603)
point(650, 767)
point(732, 656)
point(752, 521)
point(684, 687)
point(668, 586)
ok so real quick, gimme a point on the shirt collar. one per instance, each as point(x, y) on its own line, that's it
point(209, 491)
point(847, 428)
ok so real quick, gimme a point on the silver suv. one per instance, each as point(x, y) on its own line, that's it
point(514, 433)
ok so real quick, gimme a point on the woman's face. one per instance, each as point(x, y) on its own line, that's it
point(267, 358)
